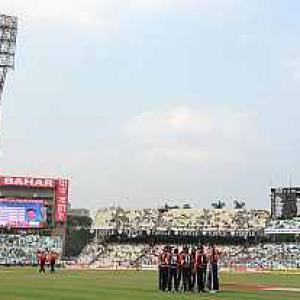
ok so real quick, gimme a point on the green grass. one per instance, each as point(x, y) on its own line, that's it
point(26, 284)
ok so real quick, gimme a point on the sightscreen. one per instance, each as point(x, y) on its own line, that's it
point(22, 213)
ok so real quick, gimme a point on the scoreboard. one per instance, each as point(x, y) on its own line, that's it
point(30, 202)
point(23, 213)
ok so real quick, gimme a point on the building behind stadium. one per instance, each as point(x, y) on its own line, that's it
point(285, 202)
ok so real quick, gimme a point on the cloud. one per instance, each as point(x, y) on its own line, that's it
point(292, 67)
point(72, 12)
point(244, 40)
point(105, 14)
point(151, 5)
point(185, 134)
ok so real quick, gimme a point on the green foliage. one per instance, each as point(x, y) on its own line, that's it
point(78, 234)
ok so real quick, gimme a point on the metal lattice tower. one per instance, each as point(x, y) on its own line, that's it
point(8, 37)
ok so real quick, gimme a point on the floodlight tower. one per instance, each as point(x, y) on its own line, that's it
point(8, 37)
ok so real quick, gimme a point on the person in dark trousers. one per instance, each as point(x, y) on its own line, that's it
point(173, 271)
point(186, 269)
point(160, 272)
point(165, 268)
point(42, 261)
point(200, 269)
point(180, 270)
point(52, 260)
point(193, 273)
point(213, 277)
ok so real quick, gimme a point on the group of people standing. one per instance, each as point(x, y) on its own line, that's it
point(194, 269)
point(45, 257)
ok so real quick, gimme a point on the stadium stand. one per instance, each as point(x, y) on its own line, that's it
point(147, 221)
point(274, 256)
point(123, 255)
point(127, 250)
point(134, 228)
point(266, 256)
point(21, 249)
point(286, 226)
point(90, 253)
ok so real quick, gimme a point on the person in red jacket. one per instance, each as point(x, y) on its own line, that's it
point(213, 276)
point(164, 268)
point(186, 263)
point(52, 259)
point(180, 270)
point(42, 258)
point(193, 273)
point(160, 272)
point(200, 269)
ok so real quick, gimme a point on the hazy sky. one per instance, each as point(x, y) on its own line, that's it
point(143, 101)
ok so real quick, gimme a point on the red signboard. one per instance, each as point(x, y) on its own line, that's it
point(27, 182)
point(61, 200)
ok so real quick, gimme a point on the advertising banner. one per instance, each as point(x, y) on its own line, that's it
point(27, 182)
point(282, 230)
point(61, 200)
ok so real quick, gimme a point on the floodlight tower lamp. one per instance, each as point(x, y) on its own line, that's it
point(8, 38)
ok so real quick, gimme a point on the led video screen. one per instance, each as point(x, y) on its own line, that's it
point(22, 213)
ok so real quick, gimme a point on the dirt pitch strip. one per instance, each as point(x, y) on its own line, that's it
point(252, 288)
point(280, 289)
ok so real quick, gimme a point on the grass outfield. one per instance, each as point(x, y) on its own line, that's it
point(21, 284)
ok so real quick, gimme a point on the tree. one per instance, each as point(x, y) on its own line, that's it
point(78, 234)
point(239, 204)
point(218, 205)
